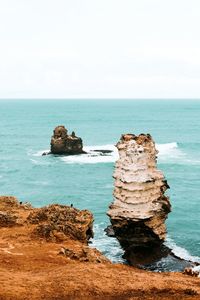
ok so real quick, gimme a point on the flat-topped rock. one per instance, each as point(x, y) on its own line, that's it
point(63, 143)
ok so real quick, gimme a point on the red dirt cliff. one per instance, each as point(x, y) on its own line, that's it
point(44, 254)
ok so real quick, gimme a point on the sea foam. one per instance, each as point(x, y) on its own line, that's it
point(93, 155)
point(181, 252)
point(110, 247)
point(170, 152)
point(167, 153)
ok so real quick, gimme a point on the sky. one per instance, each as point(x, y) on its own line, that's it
point(99, 49)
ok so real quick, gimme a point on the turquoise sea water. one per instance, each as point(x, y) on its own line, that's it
point(26, 127)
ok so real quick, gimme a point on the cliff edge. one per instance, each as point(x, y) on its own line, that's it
point(44, 254)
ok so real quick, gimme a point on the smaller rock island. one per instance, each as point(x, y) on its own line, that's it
point(64, 144)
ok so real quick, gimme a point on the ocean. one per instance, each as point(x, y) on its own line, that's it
point(86, 181)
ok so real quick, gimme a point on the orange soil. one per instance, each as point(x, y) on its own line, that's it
point(32, 268)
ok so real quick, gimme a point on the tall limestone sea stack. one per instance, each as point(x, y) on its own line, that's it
point(63, 143)
point(140, 207)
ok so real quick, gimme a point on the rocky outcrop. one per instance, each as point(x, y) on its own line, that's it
point(59, 222)
point(140, 207)
point(83, 254)
point(63, 143)
point(53, 223)
point(35, 266)
point(9, 211)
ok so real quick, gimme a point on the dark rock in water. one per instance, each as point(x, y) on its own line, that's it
point(62, 143)
point(46, 153)
point(140, 207)
point(109, 231)
point(103, 151)
point(167, 263)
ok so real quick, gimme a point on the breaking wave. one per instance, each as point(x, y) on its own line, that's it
point(95, 154)
point(181, 252)
point(168, 153)
point(110, 247)
point(165, 149)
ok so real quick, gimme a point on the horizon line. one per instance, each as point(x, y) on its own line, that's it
point(96, 98)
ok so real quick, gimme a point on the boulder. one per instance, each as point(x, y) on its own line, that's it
point(63, 143)
point(140, 207)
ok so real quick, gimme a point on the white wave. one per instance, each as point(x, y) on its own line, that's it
point(93, 155)
point(165, 148)
point(168, 152)
point(110, 247)
point(181, 252)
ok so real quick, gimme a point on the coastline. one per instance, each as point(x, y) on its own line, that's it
point(34, 267)
point(85, 181)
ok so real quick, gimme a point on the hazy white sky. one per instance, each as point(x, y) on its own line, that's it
point(100, 48)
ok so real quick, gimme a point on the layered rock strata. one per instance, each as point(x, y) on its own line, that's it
point(140, 207)
point(63, 143)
